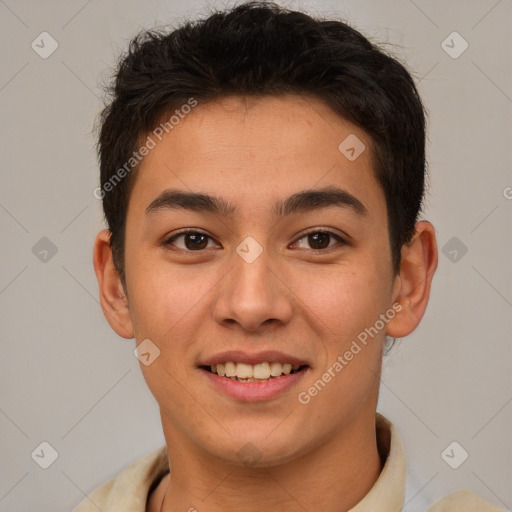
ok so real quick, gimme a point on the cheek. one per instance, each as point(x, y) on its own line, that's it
point(341, 301)
point(163, 297)
point(347, 374)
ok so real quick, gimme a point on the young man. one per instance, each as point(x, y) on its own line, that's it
point(262, 173)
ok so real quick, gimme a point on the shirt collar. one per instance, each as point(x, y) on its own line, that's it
point(388, 492)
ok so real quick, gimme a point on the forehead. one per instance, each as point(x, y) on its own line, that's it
point(256, 150)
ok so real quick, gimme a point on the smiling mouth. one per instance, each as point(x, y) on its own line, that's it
point(262, 372)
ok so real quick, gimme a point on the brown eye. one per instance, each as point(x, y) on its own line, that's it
point(196, 241)
point(318, 240)
point(191, 241)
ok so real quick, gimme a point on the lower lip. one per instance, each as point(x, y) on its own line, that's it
point(254, 391)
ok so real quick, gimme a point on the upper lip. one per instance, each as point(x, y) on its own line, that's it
point(239, 356)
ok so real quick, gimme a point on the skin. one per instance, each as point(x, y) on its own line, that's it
point(305, 302)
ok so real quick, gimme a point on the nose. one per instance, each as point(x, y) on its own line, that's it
point(253, 295)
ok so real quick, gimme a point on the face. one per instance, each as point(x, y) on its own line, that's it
point(285, 264)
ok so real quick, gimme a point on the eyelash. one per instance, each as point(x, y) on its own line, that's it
point(168, 242)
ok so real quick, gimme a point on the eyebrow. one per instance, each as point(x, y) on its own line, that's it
point(307, 200)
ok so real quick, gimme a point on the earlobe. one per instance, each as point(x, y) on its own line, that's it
point(417, 268)
point(113, 298)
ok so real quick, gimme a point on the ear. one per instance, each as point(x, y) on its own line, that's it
point(412, 287)
point(113, 299)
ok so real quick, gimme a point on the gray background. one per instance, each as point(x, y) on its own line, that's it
point(66, 378)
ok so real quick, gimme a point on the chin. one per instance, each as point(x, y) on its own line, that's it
point(258, 446)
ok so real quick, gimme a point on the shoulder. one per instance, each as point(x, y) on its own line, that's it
point(463, 501)
point(130, 488)
point(96, 499)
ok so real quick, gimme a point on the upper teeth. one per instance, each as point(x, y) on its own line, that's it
point(250, 371)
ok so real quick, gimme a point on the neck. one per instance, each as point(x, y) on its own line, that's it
point(335, 476)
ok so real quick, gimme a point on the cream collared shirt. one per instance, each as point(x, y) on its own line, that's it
point(128, 492)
